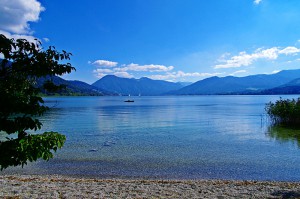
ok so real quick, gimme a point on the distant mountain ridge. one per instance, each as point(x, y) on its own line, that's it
point(284, 82)
point(292, 87)
point(73, 87)
point(238, 85)
point(142, 86)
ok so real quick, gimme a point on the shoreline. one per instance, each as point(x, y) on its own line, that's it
point(56, 186)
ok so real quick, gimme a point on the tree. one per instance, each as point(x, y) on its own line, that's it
point(20, 106)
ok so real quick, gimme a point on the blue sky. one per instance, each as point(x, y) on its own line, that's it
point(174, 40)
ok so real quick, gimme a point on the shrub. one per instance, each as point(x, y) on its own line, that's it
point(284, 112)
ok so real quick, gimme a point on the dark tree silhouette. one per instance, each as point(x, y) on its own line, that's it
point(20, 106)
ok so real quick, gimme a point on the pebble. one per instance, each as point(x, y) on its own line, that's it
point(54, 186)
point(93, 150)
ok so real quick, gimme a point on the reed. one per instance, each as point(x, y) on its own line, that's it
point(284, 112)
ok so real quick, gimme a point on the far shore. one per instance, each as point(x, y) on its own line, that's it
point(55, 186)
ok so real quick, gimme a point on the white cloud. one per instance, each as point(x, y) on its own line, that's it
point(100, 75)
point(289, 50)
point(150, 68)
point(15, 15)
point(161, 72)
point(256, 2)
point(275, 71)
point(244, 59)
point(238, 72)
point(123, 71)
point(106, 63)
point(181, 74)
point(46, 39)
point(271, 53)
point(123, 74)
point(223, 57)
point(102, 70)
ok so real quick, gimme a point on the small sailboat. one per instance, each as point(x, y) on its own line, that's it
point(129, 100)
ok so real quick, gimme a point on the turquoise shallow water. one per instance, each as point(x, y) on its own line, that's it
point(185, 137)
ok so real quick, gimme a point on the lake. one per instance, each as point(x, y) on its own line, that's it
point(169, 137)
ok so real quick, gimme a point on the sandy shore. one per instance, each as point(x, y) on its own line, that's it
point(25, 186)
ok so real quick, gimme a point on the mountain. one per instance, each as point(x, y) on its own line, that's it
point(238, 85)
point(295, 82)
point(72, 87)
point(142, 86)
point(185, 83)
point(292, 87)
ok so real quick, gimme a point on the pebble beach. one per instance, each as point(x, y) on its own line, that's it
point(39, 186)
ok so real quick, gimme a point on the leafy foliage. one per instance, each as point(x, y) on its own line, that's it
point(29, 148)
point(285, 112)
point(24, 62)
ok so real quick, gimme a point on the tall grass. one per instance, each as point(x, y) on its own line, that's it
point(284, 112)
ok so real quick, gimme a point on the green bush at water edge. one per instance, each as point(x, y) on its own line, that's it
point(284, 112)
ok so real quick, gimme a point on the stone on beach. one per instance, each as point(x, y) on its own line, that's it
point(26, 186)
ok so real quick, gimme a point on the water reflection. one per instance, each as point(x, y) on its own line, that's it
point(284, 134)
point(191, 137)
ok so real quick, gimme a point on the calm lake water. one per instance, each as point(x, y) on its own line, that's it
point(185, 137)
